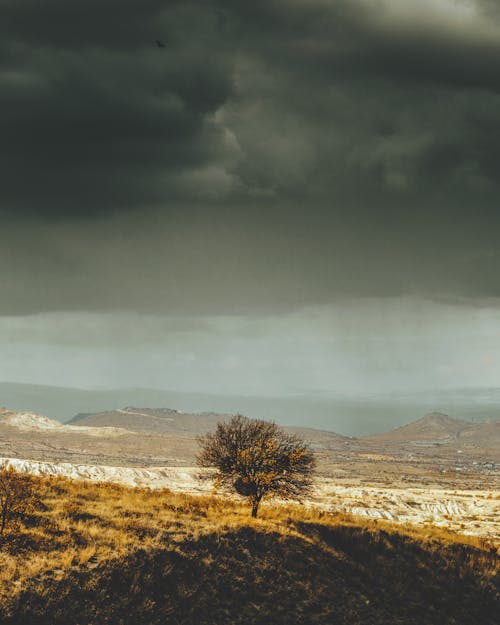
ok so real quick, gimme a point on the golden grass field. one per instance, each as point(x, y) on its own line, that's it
point(97, 553)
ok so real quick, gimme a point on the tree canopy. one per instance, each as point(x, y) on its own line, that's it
point(257, 459)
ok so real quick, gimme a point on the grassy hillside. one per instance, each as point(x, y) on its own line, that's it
point(97, 554)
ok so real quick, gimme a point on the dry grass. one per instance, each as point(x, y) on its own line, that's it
point(102, 553)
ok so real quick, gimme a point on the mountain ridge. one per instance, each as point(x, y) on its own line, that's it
point(433, 424)
point(357, 415)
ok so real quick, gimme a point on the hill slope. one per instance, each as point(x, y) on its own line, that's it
point(123, 437)
point(35, 423)
point(170, 421)
point(437, 430)
point(432, 426)
point(155, 420)
point(101, 554)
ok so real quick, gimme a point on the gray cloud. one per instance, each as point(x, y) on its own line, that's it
point(352, 347)
point(95, 117)
point(371, 96)
point(273, 154)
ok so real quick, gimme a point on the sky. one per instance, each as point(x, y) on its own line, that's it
point(286, 197)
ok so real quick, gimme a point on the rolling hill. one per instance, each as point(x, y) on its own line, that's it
point(434, 426)
point(170, 421)
point(163, 437)
point(440, 430)
point(351, 415)
point(100, 554)
point(124, 437)
point(152, 420)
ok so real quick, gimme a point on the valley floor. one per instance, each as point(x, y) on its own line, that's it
point(450, 505)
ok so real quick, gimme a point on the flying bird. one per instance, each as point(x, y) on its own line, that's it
point(159, 43)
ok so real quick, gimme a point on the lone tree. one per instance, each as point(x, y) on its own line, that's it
point(257, 459)
point(17, 497)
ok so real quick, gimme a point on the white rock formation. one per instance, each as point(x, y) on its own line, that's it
point(26, 421)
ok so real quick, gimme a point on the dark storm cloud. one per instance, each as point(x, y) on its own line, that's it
point(95, 116)
point(311, 96)
point(275, 153)
point(379, 95)
point(397, 40)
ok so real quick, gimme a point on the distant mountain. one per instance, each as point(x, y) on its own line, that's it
point(152, 420)
point(486, 434)
point(433, 426)
point(354, 415)
point(134, 437)
point(440, 430)
point(147, 437)
point(170, 421)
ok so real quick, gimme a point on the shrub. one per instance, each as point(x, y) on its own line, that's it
point(17, 497)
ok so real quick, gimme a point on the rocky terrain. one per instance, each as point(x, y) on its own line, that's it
point(434, 449)
point(436, 446)
point(124, 437)
point(472, 512)
point(437, 470)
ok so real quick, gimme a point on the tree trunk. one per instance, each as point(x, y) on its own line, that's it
point(3, 521)
point(255, 506)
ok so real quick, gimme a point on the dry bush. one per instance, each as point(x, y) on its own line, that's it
point(18, 498)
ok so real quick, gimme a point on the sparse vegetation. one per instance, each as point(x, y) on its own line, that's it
point(105, 554)
point(257, 459)
point(17, 497)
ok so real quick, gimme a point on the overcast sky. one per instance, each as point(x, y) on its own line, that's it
point(289, 196)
